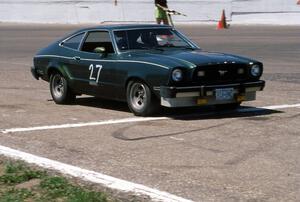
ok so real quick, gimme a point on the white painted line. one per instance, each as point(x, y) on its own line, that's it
point(132, 120)
point(77, 125)
point(92, 176)
point(282, 106)
point(176, 138)
point(273, 107)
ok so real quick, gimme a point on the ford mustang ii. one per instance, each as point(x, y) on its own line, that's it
point(146, 65)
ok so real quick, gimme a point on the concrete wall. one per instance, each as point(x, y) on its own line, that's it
point(96, 11)
point(285, 12)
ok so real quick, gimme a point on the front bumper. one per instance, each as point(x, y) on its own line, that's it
point(206, 95)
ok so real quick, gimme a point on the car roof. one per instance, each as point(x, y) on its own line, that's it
point(125, 27)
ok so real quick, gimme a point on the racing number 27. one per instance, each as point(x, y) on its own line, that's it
point(97, 69)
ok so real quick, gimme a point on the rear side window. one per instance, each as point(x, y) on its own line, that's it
point(98, 39)
point(73, 42)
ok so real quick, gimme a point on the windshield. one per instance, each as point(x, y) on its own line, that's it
point(149, 39)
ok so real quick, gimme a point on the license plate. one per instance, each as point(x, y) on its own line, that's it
point(224, 94)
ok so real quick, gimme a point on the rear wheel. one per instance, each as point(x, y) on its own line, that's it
point(59, 89)
point(140, 99)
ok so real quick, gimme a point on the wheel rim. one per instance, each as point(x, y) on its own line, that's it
point(58, 86)
point(138, 96)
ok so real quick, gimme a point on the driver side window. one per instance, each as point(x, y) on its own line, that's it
point(97, 39)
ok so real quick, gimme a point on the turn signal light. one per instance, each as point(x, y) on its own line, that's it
point(241, 98)
point(201, 73)
point(240, 71)
point(201, 101)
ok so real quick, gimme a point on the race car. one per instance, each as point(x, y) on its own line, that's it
point(147, 66)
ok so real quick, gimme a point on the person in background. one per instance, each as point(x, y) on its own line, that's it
point(161, 8)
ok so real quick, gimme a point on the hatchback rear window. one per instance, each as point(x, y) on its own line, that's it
point(74, 41)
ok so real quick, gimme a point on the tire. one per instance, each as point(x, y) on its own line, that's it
point(60, 92)
point(141, 101)
point(230, 106)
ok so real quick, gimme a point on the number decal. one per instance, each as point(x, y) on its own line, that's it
point(97, 69)
point(91, 68)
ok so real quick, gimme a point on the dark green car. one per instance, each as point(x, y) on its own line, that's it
point(147, 66)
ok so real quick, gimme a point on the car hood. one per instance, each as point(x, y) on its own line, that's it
point(191, 58)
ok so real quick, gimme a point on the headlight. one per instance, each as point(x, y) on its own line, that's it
point(177, 75)
point(256, 71)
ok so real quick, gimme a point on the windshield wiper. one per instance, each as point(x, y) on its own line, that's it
point(185, 47)
point(160, 49)
point(189, 48)
point(151, 48)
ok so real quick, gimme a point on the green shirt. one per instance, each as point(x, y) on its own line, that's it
point(160, 13)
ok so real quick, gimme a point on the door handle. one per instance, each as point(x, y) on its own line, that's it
point(77, 58)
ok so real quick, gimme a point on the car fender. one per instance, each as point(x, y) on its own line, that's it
point(152, 75)
point(54, 66)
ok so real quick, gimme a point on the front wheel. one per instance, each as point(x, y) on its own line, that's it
point(140, 99)
point(59, 89)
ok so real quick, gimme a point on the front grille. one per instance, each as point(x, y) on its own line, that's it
point(220, 74)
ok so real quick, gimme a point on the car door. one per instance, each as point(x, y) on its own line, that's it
point(96, 60)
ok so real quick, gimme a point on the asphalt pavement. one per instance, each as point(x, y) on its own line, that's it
point(198, 154)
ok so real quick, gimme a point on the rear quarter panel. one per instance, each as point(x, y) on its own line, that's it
point(55, 57)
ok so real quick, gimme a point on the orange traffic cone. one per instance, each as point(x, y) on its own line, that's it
point(222, 23)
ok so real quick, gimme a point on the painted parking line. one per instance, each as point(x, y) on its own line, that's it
point(92, 176)
point(134, 119)
point(78, 125)
point(273, 107)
